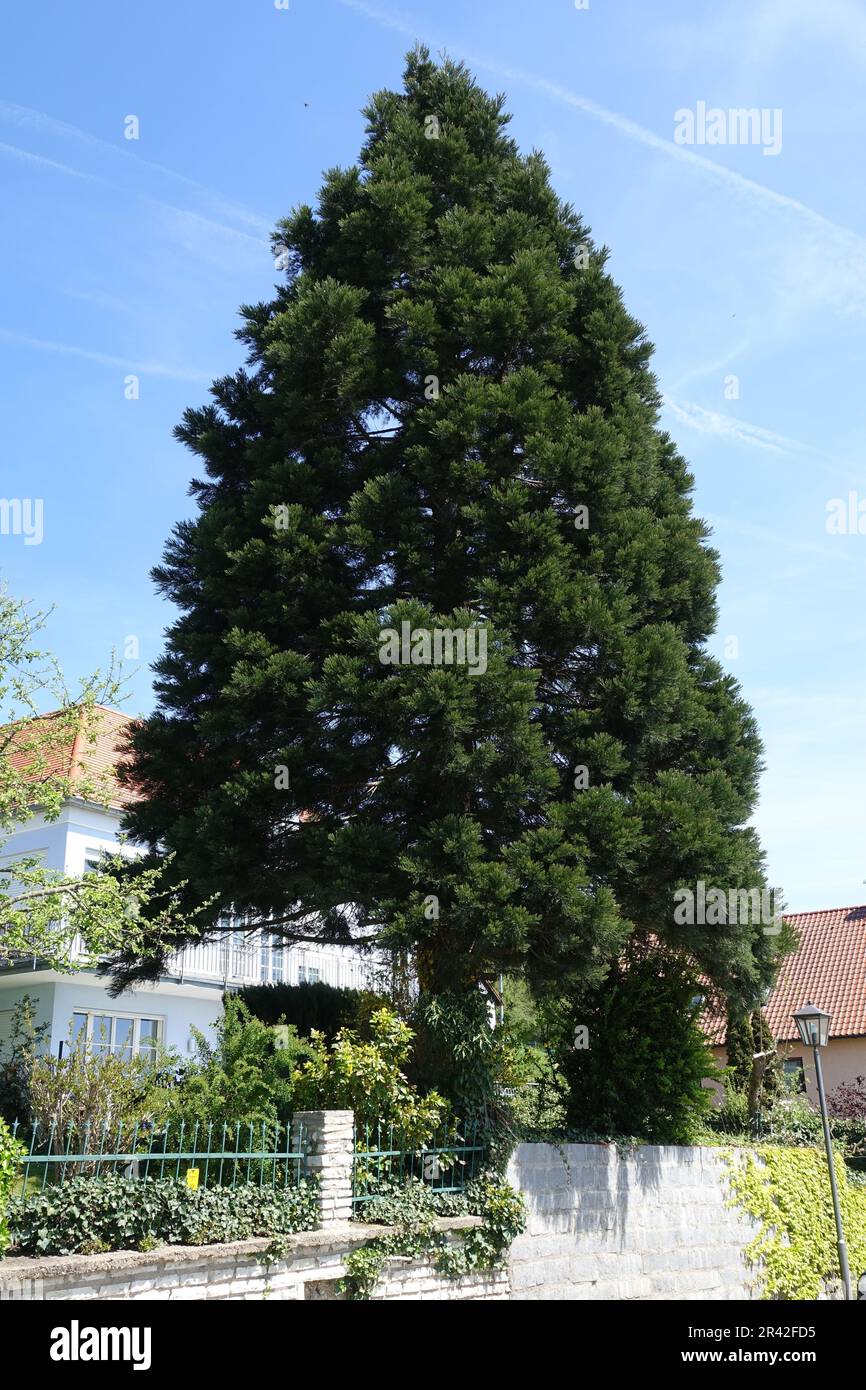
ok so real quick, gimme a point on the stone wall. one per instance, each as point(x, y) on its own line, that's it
point(650, 1223)
point(313, 1263)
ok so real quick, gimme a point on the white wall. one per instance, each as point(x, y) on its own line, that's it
point(67, 841)
point(41, 994)
point(178, 1012)
point(191, 994)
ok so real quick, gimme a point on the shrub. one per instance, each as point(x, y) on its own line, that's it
point(459, 1052)
point(391, 1203)
point(413, 1211)
point(753, 1062)
point(642, 1071)
point(848, 1101)
point(17, 1054)
point(794, 1121)
point(243, 1078)
point(367, 1077)
point(86, 1092)
point(86, 1215)
point(11, 1154)
point(787, 1192)
point(732, 1116)
point(311, 1008)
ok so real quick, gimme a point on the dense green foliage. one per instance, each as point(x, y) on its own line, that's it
point(642, 1069)
point(369, 1079)
point(448, 418)
point(87, 1215)
point(243, 1077)
point(11, 1154)
point(308, 1007)
point(759, 1078)
point(412, 1214)
point(787, 1191)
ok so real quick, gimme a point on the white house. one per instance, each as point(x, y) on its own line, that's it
point(190, 993)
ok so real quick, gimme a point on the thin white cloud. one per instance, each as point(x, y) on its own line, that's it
point(162, 369)
point(729, 428)
point(712, 368)
point(183, 221)
point(28, 157)
point(839, 245)
point(27, 118)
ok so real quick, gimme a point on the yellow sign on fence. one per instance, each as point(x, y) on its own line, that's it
point(192, 1178)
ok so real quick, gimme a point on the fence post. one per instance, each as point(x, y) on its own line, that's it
point(328, 1137)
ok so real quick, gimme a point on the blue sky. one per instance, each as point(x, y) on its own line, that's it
point(131, 256)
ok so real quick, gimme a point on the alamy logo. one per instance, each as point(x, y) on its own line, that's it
point(437, 646)
point(77, 1343)
point(846, 518)
point(740, 125)
point(713, 907)
point(22, 516)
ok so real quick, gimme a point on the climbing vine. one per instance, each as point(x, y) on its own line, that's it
point(787, 1191)
point(414, 1234)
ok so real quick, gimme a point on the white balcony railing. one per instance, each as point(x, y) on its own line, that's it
point(254, 958)
point(243, 958)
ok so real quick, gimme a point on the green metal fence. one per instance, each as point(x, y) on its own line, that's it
point(201, 1154)
point(446, 1164)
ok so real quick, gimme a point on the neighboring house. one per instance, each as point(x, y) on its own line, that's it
point(828, 969)
point(77, 1004)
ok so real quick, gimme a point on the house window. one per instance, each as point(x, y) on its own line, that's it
point(271, 960)
point(792, 1068)
point(308, 975)
point(122, 1035)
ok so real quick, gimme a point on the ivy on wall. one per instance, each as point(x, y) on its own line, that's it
point(787, 1191)
point(479, 1248)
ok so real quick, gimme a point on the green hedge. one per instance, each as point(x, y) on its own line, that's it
point(319, 1006)
point(88, 1215)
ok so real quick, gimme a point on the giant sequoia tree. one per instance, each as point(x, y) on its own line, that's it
point(448, 419)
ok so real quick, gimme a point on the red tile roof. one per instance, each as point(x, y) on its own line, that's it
point(828, 968)
point(86, 753)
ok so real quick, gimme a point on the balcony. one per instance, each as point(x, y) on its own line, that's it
point(252, 958)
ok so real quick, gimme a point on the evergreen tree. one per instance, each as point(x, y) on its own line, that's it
point(752, 1059)
point(448, 419)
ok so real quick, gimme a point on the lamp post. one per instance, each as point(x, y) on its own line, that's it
point(813, 1025)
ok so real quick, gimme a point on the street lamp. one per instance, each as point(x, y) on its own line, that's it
point(813, 1025)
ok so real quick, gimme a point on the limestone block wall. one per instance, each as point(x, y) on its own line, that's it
point(603, 1223)
point(314, 1261)
point(649, 1223)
